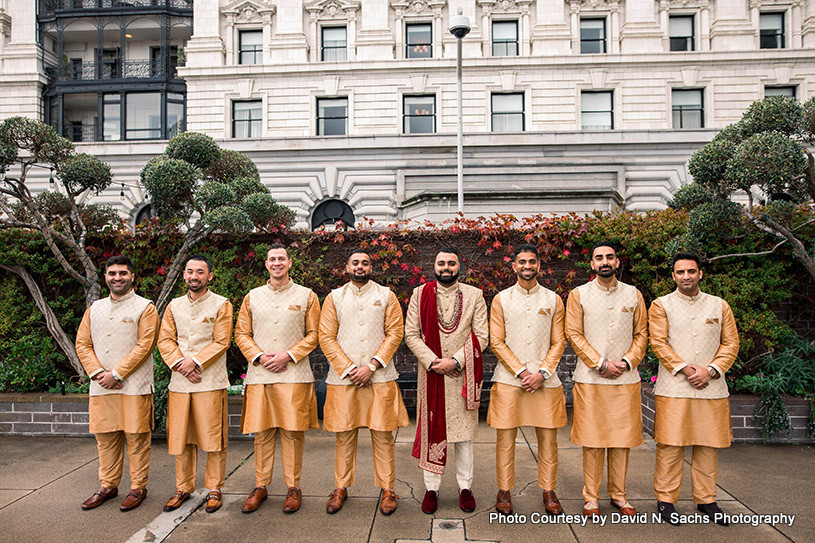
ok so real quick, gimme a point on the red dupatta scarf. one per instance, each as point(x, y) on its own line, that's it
point(430, 445)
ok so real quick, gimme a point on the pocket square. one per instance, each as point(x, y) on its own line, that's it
point(378, 303)
point(712, 321)
point(294, 308)
point(209, 319)
point(544, 311)
point(629, 309)
point(128, 319)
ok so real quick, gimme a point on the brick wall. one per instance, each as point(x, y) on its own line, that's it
point(30, 414)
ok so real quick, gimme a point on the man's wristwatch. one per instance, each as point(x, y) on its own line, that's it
point(372, 367)
point(712, 372)
point(458, 366)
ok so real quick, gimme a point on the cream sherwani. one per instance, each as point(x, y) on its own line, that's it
point(461, 424)
point(526, 333)
point(358, 325)
point(686, 330)
point(606, 323)
point(279, 320)
point(119, 336)
point(197, 412)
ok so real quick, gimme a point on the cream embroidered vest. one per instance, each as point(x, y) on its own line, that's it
point(195, 323)
point(695, 334)
point(608, 326)
point(528, 328)
point(278, 324)
point(114, 332)
point(361, 319)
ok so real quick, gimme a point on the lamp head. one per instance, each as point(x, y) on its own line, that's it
point(459, 25)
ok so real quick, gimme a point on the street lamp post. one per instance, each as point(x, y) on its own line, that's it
point(459, 27)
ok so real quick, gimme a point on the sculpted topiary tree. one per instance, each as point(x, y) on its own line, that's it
point(203, 188)
point(766, 150)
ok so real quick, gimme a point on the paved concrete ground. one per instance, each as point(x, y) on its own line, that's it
point(43, 481)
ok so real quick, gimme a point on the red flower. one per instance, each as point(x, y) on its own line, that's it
point(566, 252)
point(161, 270)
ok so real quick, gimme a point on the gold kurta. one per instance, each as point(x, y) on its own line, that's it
point(198, 418)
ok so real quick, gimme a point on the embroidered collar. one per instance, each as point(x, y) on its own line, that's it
point(445, 290)
point(686, 298)
point(606, 289)
point(199, 300)
point(359, 291)
point(287, 286)
point(522, 290)
point(124, 298)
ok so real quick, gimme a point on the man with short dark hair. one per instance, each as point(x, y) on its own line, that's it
point(115, 344)
point(196, 332)
point(607, 325)
point(446, 328)
point(361, 327)
point(694, 336)
point(527, 337)
point(276, 330)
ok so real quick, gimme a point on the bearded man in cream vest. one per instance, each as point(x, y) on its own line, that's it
point(446, 328)
point(276, 330)
point(607, 325)
point(195, 334)
point(115, 344)
point(361, 327)
point(694, 336)
point(527, 337)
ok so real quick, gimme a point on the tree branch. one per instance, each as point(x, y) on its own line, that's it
point(799, 250)
point(777, 245)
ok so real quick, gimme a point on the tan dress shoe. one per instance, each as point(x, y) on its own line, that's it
point(176, 500)
point(590, 509)
point(133, 499)
point(551, 503)
point(335, 500)
point(294, 498)
point(214, 501)
point(256, 497)
point(99, 497)
point(626, 508)
point(387, 504)
point(503, 503)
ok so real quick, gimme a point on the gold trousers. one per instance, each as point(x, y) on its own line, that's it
point(703, 471)
point(505, 457)
point(345, 458)
point(186, 465)
point(291, 447)
point(111, 446)
point(593, 472)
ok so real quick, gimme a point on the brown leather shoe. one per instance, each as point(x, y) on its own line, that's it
point(99, 497)
point(503, 503)
point(214, 501)
point(294, 498)
point(256, 497)
point(335, 500)
point(176, 500)
point(551, 502)
point(133, 499)
point(589, 511)
point(626, 508)
point(387, 505)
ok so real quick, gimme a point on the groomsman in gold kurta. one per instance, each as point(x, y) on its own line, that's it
point(527, 337)
point(361, 327)
point(607, 325)
point(694, 336)
point(195, 334)
point(115, 344)
point(446, 328)
point(276, 330)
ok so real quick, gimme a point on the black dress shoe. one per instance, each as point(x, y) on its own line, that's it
point(713, 512)
point(668, 513)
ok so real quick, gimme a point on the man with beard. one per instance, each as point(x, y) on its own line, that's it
point(607, 326)
point(276, 330)
point(527, 337)
point(694, 336)
point(446, 328)
point(115, 344)
point(361, 327)
point(195, 334)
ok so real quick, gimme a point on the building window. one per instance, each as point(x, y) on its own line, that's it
point(176, 121)
point(158, 63)
point(112, 117)
point(592, 36)
point(680, 30)
point(420, 114)
point(771, 33)
point(143, 117)
point(335, 43)
point(419, 40)
point(597, 110)
point(250, 47)
point(332, 116)
point(788, 91)
point(688, 108)
point(504, 38)
point(247, 117)
point(508, 112)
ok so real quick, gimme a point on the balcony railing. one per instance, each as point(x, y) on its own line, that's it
point(80, 133)
point(47, 6)
point(92, 71)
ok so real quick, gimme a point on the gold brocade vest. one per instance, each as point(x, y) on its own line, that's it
point(195, 323)
point(695, 335)
point(114, 332)
point(528, 327)
point(608, 326)
point(278, 324)
point(361, 331)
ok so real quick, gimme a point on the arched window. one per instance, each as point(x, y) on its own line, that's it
point(144, 214)
point(331, 211)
